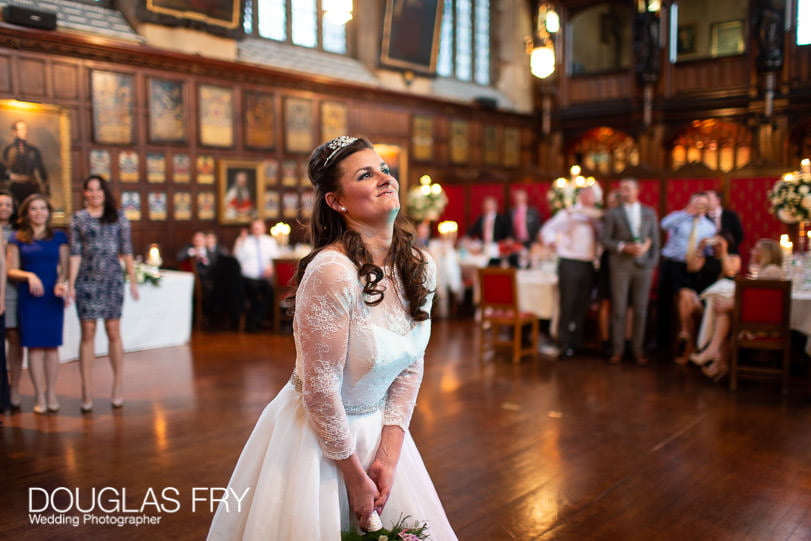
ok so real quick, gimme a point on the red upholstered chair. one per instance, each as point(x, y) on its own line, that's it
point(283, 272)
point(760, 321)
point(498, 294)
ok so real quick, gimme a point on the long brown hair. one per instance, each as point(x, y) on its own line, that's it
point(25, 231)
point(327, 227)
point(110, 214)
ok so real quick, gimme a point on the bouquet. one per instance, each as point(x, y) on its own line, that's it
point(401, 531)
point(790, 197)
point(426, 201)
point(144, 273)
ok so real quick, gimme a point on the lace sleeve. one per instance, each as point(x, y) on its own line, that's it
point(323, 308)
point(402, 396)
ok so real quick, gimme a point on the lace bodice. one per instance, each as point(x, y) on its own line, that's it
point(350, 355)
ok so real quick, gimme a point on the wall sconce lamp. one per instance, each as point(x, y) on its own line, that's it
point(337, 11)
point(541, 47)
point(651, 6)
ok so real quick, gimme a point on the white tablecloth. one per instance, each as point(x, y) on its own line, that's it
point(162, 317)
point(538, 292)
point(801, 315)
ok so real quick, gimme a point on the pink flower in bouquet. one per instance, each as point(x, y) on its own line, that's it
point(405, 536)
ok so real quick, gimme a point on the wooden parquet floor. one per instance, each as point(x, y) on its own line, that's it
point(574, 450)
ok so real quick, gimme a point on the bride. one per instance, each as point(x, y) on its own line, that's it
point(332, 450)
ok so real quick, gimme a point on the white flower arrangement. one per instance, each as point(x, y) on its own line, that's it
point(143, 273)
point(426, 201)
point(564, 191)
point(790, 197)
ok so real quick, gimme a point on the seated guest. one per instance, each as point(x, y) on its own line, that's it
point(690, 303)
point(573, 233)
point(490, 228)
point(685, 230)
point(255, 253)
point(196, 250)
point(213, 246)
point(197, 254)
point(767, 259)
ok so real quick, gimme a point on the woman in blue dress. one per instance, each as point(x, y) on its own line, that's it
point(99, 236)
point(38, 261)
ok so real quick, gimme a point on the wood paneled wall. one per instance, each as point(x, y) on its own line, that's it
point(55, 68)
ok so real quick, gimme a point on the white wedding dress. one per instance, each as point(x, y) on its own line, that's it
point(358, 368)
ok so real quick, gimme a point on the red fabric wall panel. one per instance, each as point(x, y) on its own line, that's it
point(747, 197)
point(455, 209)
point(649, 193)
point(679, 191)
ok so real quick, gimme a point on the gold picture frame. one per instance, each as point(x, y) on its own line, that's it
point(726, 38)
point(240, 185)
point(220, 14)
point(333, 120)
point(298, 123)
point(113, 98)
point(48, 130)
point(216, 116)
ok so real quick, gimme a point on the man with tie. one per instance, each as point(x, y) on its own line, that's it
point(491, 228)
point(255, 253)
point(685, 231)
point(525, 222)
point(631, 236)
point(573, 233)
point(725, 220)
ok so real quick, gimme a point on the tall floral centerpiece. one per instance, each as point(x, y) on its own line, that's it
point(564, 190)
point(790, 196)
point(426, 201)
point(790, 199)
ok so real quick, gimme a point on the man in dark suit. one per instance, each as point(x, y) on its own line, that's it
point(525, 222)
point(491, 228)
point(725, 221)
point(631, 235)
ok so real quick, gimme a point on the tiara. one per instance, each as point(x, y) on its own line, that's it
point(337, 144)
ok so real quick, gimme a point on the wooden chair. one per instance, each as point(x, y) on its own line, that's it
point(283, 272)
point(760, 321)
point(498, 294)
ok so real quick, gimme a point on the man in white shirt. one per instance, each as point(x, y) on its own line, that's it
point(573, 233)
point(255, 253)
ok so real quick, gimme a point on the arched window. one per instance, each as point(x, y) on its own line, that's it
point(299, 22)
point(604, 150)
point(719, 144)
point(464, 42)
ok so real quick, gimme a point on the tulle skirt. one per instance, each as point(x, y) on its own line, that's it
point(295, 492)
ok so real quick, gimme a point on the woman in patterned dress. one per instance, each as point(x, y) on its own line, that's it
point(100, 235)
point(38, 262)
